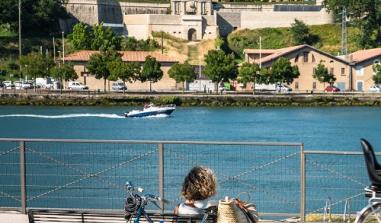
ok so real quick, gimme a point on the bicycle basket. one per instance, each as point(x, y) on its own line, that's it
point(132, 205)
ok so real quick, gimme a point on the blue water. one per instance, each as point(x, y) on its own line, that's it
point(272, 180)
point(318, 128)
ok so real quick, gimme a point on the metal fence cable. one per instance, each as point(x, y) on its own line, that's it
point(91, 175)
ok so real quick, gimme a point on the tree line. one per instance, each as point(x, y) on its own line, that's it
point(103, 38)
point(38, 17)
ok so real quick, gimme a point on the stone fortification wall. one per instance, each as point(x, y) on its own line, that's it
point(107, 11)
point(226, 7)
point(164, 19)
point(253, 20)
point(228, 22)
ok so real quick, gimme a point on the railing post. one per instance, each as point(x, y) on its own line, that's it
point(23, 177)
point(161, 175)
point(302, 183)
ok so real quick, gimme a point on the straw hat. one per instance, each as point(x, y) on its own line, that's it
point(229, 212)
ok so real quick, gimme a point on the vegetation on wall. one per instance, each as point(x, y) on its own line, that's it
point(328, 38)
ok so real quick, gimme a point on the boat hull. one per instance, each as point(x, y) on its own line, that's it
point(150, 113)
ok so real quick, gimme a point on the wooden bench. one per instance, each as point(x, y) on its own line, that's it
point(74, 216)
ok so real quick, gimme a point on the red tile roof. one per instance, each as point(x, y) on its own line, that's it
point(363, 55)
point(257, 51)
point(281, 52)
point(132, 56)
point(284, 51)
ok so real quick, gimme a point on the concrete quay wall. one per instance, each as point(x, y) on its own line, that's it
point(130, 99)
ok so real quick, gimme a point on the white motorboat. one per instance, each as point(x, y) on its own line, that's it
point(151, 110)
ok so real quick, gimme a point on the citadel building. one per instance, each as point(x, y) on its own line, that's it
point(192, 19)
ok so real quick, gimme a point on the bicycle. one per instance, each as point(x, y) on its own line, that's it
point(136, 203)
point(372, 211)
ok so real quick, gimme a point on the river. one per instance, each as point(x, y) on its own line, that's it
point(338, 128)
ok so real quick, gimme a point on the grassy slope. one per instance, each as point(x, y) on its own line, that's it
point(274, 38)
point(183, 50)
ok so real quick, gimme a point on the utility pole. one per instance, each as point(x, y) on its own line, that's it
point(344, 33)
point(162, 42)
point(54, 50)
point(260, 52)
point(63, 47)
point(20, 48)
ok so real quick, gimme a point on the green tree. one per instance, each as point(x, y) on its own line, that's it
point(377, 74)
point(283, 72)
point(81, 37)
point(219, 66)
point(36, 65)
point(151, 71)
point(38, 17)
point(182, 73)
point(248, 72)
point(322, 75)
point(64, 72)
point(98, 64)
point(131, 43)
point(104, 38)
point(124, 71)
point(301, 33)
point(365, 14)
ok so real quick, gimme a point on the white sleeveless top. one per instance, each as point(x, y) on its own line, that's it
point(185, 209)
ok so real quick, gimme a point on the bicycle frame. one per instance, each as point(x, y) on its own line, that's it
point(141, 212)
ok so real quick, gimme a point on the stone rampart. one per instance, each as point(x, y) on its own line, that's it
point(228, 22)
point(254, 20)
point(108, 11)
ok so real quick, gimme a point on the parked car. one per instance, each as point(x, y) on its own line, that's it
point(75, 85)
point(283, 88)
point(331, 89)
point(18, 85)
point(26, 85)
point(8, 85)
point(118, 86)
point(375, 88)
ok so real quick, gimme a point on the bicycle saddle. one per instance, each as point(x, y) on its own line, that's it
point(372, 166)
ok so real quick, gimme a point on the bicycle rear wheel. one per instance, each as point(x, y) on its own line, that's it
point(370, 214)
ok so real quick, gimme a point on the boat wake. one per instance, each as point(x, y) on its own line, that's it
point(154, 116)
point(63, 116)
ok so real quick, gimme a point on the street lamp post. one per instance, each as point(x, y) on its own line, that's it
point(20, 48)
point(63, 47)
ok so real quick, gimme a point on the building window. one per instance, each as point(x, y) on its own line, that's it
point(343, 71)
point(314, 85)
point(359, 70)
point(296, 85)
point(305, 57)
point(331, 71)
point(313, 59)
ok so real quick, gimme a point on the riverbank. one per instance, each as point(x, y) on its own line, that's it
point(268, 100)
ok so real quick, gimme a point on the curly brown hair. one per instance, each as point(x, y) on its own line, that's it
point(199, 184)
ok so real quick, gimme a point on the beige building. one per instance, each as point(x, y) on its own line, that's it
point(190, 20)
point(79, 60)
point(306, 58)
point(362, 67)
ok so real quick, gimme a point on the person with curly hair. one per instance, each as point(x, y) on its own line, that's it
point(199, 185)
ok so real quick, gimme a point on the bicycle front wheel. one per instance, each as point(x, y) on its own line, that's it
point(370, 214)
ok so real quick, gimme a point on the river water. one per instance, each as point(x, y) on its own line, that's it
point(334, 177)
point(318, 128)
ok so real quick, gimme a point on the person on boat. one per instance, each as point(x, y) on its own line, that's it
point(199, 185)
